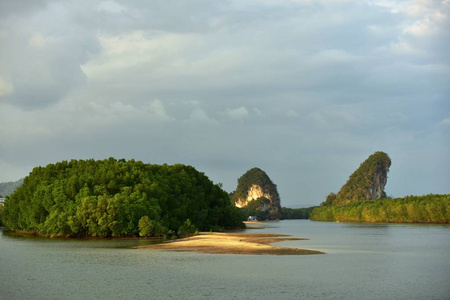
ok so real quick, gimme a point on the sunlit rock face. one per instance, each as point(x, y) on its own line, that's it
point(256, 190)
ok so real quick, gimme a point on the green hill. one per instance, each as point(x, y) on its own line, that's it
point(367, 182)
point(362, 199)
point(117, 198)
point(7, 188)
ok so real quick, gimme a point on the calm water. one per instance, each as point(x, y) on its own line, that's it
point(363, 261)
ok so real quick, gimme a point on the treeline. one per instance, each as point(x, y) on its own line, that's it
point(118, 198)
point(286, 213)
point(296, 213)
point(411, 209)
point(253, 208)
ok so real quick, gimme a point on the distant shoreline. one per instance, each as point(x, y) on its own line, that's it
point(232, 243)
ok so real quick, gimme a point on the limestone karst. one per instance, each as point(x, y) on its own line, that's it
point(256, 190)
point(367, 182)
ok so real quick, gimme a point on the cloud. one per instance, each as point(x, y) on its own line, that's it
point(258, 112)
point(199, 115)
point(42, 56)
point(111, 7)
point(239, 113)
point(39, 42)
point(336, 116)
point(121, 113)
point(303, 89)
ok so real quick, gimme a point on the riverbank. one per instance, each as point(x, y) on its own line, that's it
point(233, 243)
point(431, 209)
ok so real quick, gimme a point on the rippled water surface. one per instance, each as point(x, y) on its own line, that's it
point(362, 261)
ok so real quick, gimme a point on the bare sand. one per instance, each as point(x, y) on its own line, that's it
point(233, 243)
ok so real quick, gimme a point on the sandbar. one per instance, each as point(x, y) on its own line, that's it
point(233, 243)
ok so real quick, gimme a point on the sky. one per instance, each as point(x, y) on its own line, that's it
point(304, 89)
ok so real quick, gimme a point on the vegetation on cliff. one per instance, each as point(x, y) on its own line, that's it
point(362, 199)
point(411, 209)
point(366, 183)
point(118, 198)
point(269, 200)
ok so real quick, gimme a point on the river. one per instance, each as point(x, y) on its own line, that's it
point(362, 261)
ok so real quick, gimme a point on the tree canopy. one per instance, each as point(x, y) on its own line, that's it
point(117, 198)
point(410, 209)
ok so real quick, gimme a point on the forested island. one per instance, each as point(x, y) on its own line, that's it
point(363, 199)
point(118, 198)
point(114, 198)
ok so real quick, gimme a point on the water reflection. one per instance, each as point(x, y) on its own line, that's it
point(91, 242)
point(370, 261)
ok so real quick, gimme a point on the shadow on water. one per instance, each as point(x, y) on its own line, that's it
point(88, 242)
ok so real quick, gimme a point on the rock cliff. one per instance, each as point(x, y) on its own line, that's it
point(367, 182)
point(256, 191)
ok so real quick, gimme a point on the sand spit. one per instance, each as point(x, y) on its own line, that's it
point(233, 243)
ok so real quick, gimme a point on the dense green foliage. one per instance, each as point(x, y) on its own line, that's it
point(254, 209)
point(260, 215)
point(117, 198)
point(1, 210)
point(411, 209)
point(257, 204)
point(329, 199)
point(361, 184)
point(286, 213)
point(296, 213)
point(7, 188)
point(187, 229)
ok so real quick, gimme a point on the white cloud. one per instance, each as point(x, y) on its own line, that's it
point(139, 50)
point(199, 115)
point(157, 108)
point(239, 113)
